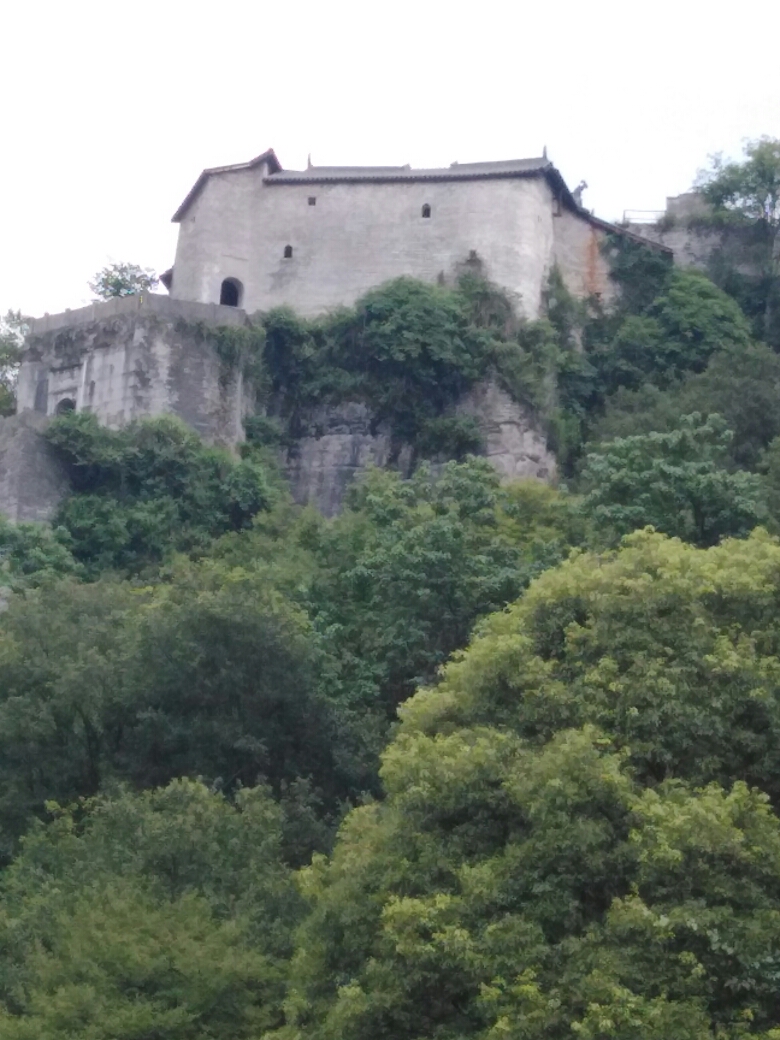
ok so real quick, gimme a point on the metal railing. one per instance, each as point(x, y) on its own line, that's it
point(642, 216)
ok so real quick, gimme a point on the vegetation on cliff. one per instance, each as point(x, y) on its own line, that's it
point(469, 760)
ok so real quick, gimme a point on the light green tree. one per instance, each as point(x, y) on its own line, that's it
point(119, 279)
point(579, 834)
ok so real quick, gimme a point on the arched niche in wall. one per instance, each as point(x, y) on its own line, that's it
point(67, 404)
point(231, 293)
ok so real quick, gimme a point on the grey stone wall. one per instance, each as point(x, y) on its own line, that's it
point(688, 229)
point(132, 358)
point(358, 235)
point(580, 258)
point(32, 480)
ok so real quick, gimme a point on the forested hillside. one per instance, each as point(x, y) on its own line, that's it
point(471, 759)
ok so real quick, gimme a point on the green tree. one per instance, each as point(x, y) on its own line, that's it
point(675, 481)
point(13, 328)
point(742, 384)
point(123, 280)
point(751, 190)
point(415, 563)
point(214, 674)
point(226, 683)
point(750, 187)
point(573, 838)
point(33, 554)
point(64, 700)
point(168, 913)
point(677, 333)
point(150, 489)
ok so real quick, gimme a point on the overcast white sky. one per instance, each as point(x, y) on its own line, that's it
point(108, 112)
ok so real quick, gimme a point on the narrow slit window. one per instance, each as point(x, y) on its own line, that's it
point(288, 252)
point(426, 210)
point(312, 200)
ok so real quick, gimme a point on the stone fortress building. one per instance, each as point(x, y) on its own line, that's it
point(254, 236)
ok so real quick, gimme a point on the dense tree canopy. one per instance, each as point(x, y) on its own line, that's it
point(675, 481)
point(571, 838)
point(165, 914)
point(148, 489)
point(472, 759)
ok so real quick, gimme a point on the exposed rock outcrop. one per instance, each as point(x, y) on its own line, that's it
point(514, 441)
point(322, 465)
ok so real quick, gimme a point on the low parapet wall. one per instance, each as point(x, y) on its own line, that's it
point(141, 304)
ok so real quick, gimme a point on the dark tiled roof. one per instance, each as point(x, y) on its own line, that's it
point(268, 156)
point(455, 172)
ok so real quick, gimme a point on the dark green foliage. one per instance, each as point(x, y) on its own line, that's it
point(407, 350)
point(450, 437)
point(264, 432)
point(414, 351)
point(687, 322)
point(748, 194)
point(750, 188)
point(152, 488)
point(640, 272)
point(34, 554)
point(225, 682)
point(165, 914)
point(740, 383)
point(410, 566)
point(675, 481)
point(213, 675)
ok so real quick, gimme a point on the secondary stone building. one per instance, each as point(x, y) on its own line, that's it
point(255, 235)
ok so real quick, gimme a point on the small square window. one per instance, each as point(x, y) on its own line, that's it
point(312, 200)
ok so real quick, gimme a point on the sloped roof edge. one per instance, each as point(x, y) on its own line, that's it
point(626, 232)
point(268, 156)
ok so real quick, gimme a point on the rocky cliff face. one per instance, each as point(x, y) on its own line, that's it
point(142, 356)
point(320, 467)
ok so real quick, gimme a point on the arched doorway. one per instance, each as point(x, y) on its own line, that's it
point(231, 292)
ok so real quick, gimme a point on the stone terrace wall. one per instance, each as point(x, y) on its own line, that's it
point(133, 358)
